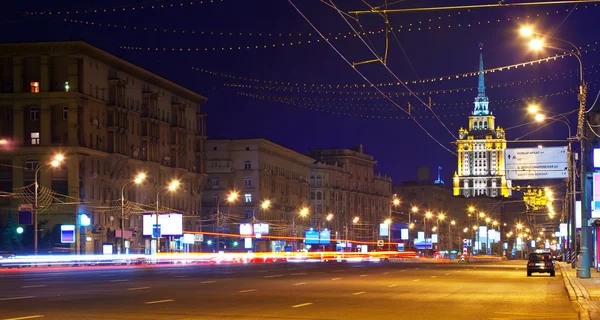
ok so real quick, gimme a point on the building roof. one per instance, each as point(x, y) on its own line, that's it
point(81, 47)
point(269, 143)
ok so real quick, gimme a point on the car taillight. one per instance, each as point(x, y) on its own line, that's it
point(548, 264)
point(530, 263)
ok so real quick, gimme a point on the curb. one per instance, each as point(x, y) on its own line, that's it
point(576, 296)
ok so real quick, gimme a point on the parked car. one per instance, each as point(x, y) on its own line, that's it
point(541, 262)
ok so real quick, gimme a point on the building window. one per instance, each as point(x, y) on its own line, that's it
point(247, 165)
point(215, 199)
point(34, 86)
point(35, 138)
point(34, 113)
point(65, 113)
point(312, 196)
point(248, 214)
point(30, 165)
point(215, 182)
point(319, 195)
point(248, 198)
point(247, 181)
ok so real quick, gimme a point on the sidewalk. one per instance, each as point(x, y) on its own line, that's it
point(583, 293)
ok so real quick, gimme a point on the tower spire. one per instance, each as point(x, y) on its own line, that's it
point(481, 101)
point(481, 87)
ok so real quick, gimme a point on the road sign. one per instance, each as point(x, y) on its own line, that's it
point(380, 243)
point(156, 231)
point(25, 214)
point(536, 163)
point(465, 252)
point(465, 240)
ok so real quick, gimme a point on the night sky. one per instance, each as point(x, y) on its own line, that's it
point(306, 96)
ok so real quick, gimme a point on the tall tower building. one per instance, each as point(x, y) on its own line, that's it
point(481, 168)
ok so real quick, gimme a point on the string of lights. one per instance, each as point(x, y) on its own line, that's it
point(149, 5)
point(593, 70)
point(383, 84)
point(431, 24)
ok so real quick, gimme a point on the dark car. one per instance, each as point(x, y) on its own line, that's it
point(541, 262)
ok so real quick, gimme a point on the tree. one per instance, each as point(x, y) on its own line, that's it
point(10, 238)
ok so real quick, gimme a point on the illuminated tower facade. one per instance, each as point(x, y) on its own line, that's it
point(480, 148)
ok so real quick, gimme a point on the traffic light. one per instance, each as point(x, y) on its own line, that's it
point(19, 230)
point(235, 243)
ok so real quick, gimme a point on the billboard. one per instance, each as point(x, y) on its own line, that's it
point(325, 237)
point(171, 224)
point(67, 233)
point(404, 234)
point(384, 229)
point(245, 229)
point(536, 163)
point(311, 237)
point(261, 228)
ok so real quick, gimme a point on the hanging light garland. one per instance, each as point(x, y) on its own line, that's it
point(124, 8)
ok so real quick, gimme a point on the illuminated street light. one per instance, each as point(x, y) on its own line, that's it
point(396, 202)
point(428, 214)
point(329, 217)
point(433, 229)
point(355, 220)
point(519, 226)
point(481, 214)
point(526, 31)
point(488, 219)
point(539, 117)
point(441, 216)
point(303, 212)
point(54, 162)
point(414, 209)
point(453, 222)
point(139, 178)
point(475, 228)
point(533, 109)
point(387, 221)
point(536, 44)
point(265, 204)
point(465, 230)
point(471, 209)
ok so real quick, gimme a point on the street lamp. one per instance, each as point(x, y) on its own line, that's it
point(441, 217)
point(583, 269)
point(428, 215)
point(265, 205)
point(231, 198)
point(304, 211)
point(54, 162)
point(451, 244)
point(172, 186)
point(137, 180)
point(388, 222)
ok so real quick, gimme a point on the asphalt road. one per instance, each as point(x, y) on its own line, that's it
point(286, 291)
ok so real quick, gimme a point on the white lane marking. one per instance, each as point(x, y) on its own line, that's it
point(35, 286)
point(181, 276)
point(119, 280)
point(302, 305)
point(364, 275)
point(299, 283)
point(247, 290)
point(433, 277)
point(417, 268)
point(137, 288)
point(274, 276)
point(210, 281)
point(386, 273)
point(416, 280)
point(37, 316)
point(17, 298)
point(392, 285)
point(448, 273)
point(159, 301)
point(359, 293)
point(298, 274)
point(334, 279)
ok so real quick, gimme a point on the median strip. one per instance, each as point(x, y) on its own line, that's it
point(210, 281)
point(159, 301)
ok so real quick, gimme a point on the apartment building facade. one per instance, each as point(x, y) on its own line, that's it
point(110, 119)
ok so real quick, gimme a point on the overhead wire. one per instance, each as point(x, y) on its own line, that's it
point(392, 73)
point(365, 78)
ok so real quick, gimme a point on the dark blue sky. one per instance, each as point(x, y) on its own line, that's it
point(311, 119)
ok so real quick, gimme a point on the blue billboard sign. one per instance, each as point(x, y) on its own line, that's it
point(325, 237)
point(311, 237)
point(67, 233)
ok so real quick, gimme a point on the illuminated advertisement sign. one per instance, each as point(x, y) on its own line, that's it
point(384, 229)
point(311, 237)
point(261, 228)
point(404, 234)
point(325, 237)
point(67, 233)
point(171, 224)
point(245, 229)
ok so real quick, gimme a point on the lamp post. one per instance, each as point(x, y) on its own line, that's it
point(265, 205)
point(571, 175)
point(55, 162)
point(451, 244)
point(172, 186)
point(427, 215)
point(137, 180)
point(388, 222)
point(232, 197)
point(441, 217)
point(583, 268)
point(302, 213)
